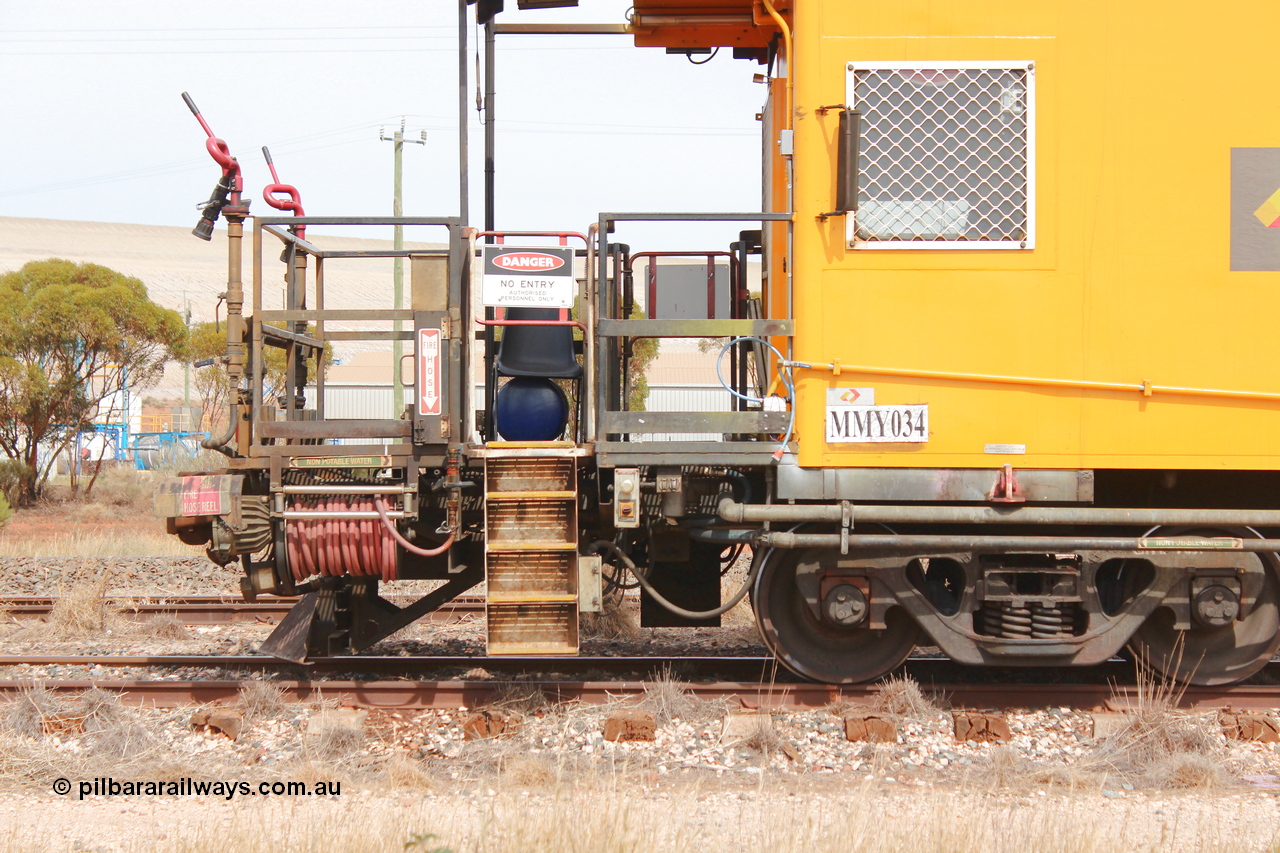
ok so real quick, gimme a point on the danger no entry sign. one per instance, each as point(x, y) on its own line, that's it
point(523, 277)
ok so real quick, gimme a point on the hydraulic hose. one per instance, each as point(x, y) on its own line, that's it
point(734, 474)
point(219, 443)
point(720, 535)
point(380, 506)
point(757, 560)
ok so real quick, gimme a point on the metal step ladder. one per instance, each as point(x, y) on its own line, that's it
point(531, 547)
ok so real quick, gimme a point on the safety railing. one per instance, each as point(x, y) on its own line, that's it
point(304, 330)
point(613, 421)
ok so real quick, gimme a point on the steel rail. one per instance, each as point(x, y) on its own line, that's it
point(217, 609)
point(423, 665)
point(469, 694)
point(997, 687)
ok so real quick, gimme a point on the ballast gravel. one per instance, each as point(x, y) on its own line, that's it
point(388, 760)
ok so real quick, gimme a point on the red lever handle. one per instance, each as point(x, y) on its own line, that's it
point(294, 200)
point(218, 149)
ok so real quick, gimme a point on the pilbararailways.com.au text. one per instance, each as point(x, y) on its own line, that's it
point(188, 787)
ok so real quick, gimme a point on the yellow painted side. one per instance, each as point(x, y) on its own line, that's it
point(1138, 107)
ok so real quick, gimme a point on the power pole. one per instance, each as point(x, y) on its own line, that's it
point(397, 209)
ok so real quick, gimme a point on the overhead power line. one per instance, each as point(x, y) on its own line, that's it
point(297, 145)
point(277, 51)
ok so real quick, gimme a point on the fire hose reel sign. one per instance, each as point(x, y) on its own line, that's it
point(523, 277)
point(429, 369)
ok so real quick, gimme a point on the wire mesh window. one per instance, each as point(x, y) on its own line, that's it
point(946, 155)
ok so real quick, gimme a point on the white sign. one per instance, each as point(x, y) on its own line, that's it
point(429, 372)
point(878, 424)
point(521, 277)
point(1005, 449)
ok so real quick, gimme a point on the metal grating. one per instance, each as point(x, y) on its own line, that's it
point(530, 521)
point(523, 629)
point(532, 475)
point(553, 573)
point(946, 157)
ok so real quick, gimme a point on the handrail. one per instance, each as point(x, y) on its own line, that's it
point(605, 417)
point(290, 231)
point(502, 235)
point(652, 275)
point(505, 322)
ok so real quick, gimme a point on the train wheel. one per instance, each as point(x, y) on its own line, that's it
point(1211, 656)
point(822, 651)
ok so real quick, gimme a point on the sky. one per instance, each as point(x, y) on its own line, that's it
point(95, 128)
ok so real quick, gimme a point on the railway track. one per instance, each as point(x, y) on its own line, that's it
point(217, 609)
point(749, 682)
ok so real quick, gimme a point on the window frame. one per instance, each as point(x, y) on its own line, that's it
point(1026, 66)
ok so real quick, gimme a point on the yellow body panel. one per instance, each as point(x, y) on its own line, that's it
point(1138, 108)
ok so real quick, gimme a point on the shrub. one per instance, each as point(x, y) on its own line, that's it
point(14, 478)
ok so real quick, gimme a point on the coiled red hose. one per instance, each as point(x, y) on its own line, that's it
point(333, 547)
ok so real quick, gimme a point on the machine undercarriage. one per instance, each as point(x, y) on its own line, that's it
point(525, 461)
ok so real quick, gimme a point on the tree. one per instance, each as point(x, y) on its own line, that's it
point(71, 337)
point(208, 342)
point(643, 352)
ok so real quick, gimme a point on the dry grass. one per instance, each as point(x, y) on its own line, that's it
point(501, 820)
point(114, 520)
point(1156, 747)
point(261, 700)
point(400, 772)
point(96, 543)
point(519, 699)
point(900, 696)
point(1161, 746)
point(38, 727)
point(84, 611)
point(510, 761)
point(530, 771)
point(162, 626)
point(333, 736)
point(668, 698)
point(764, 738)
point(81, 610)
point(615, 621)
point(1005, 768)
point(1185, 770)
point(122, 487)
point(507, 798)
point(46, 735)
point(27, 712)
